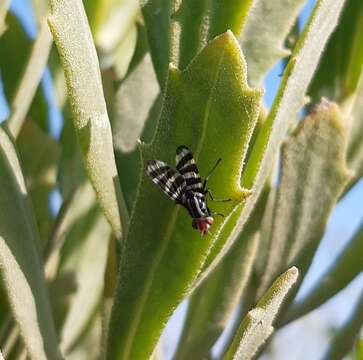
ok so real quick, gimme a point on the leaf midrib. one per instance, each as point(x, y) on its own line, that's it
point(170, 228)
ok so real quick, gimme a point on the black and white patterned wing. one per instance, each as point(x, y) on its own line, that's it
point(169, 180)
point(187, 167)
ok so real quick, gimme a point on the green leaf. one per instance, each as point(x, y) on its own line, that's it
point(72, 36)
point(119, 21)
point(71, 170)
point(337, 77)
point(264, 34)
point(359, 347)
point(15, 49)
point(177, 31)
point(213, 302)
point(88, 262)
point(313, 175)
point(3, 11)
point(288, 101)
point(30, 80)
point(257, 327)
point(133, 100)
point(39, 155)
point(162, 253)
point(123, 54)
point(344, 340)
point(20, 262)
point(345, 268)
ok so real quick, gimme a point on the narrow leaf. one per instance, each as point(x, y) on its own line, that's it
point(257, 327)
point(39, 154)
point(163, 253)
point(177, 31)
point(264, 34)
point(337, 77)
point(288, 101)
point(16, 49)
point(3, 11)
point(133, 100)
point(313, 175)
point(345, 268)
point(73, 38)
point(212, 304)
point(20, 262)
point(35, 67)
point(344, 340)
point(89, 267)
point(119, 20)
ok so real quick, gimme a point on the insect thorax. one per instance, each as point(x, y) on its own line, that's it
point(196, 204)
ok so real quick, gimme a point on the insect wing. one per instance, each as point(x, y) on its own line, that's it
point(186, 166)
point(169, 180)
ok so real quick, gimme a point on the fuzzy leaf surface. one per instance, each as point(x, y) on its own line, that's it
point(133, 100)
point(264, 34)
point(212, 304)
point(288, 101)
point(257, 326)
point(178, 31)
point(163, 254)
point(313, 175)
point(73, 38)
point(87, 261)
point(20, 262)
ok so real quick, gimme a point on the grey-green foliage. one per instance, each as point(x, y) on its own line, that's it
point(20, 263)
point(316, 152)
point(170, 73)
point(257, 327)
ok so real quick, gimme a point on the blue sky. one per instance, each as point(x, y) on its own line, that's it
point(345, 218)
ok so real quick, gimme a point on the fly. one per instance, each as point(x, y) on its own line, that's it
point(184, 186)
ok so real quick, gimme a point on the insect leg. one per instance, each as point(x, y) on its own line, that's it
point(207, 191)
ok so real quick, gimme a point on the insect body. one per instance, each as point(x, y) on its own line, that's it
point(184, 186)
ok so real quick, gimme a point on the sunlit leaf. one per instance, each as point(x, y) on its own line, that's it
point(20, 262)
point(3, 10)
point(162, 253)
point(313, 175)
point(264, 34)
point(257, 326)
point(288, 101)
point(133, 100)
point(178, 31)
point(212, 304)
point(88, 262)
point(72, 36)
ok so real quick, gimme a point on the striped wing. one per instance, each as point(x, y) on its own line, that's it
point(187, 167)
point(169, 180)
